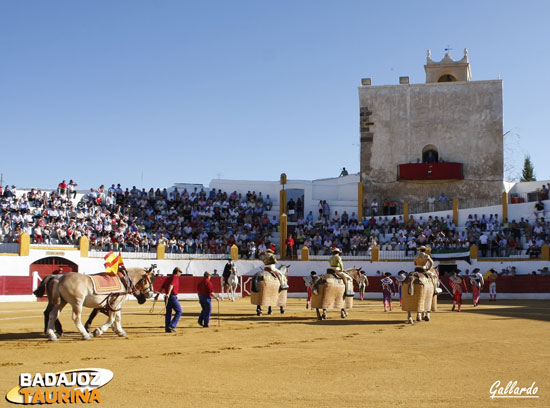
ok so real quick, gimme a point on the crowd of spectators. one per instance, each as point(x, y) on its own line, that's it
point(210, 222)
point(493, 237)
point(357, 237)
point(496, 239)
point(191, 222)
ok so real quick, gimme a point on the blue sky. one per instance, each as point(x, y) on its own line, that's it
point(150, 93)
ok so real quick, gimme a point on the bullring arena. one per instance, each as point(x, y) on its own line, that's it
point(370, 359)
point(482, 356)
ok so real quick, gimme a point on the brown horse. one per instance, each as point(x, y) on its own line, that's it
point(47, 287)
point(77, 290)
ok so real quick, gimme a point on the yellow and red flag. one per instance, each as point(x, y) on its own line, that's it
point(113, 262)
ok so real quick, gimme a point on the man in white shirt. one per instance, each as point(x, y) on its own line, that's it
point(483, 241)
point(431, 204)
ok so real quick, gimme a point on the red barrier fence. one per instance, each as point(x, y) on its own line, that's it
point(22, 285)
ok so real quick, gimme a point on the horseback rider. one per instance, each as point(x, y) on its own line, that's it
point(337, 268)
point(227, 270)
point(270, 261)
point(424, 261)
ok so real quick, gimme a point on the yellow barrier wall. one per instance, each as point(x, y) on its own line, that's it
point(161, 250)
point(24, 244)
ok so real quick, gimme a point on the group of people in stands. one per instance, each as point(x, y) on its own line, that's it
point(510, 238)
point(388, 233)
point(493, 237)
point(137, 220)
point(201, 222)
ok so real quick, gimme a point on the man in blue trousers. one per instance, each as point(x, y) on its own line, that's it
point(171, 287)
point(205, 290)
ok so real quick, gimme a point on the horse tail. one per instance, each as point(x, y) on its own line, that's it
point(41, 289)
point(44, 287)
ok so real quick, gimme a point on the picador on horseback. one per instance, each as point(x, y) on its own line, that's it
point(270, 261)
point(337, 269)
point(420, 288)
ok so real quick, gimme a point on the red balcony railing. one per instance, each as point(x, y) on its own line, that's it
point(430, 171)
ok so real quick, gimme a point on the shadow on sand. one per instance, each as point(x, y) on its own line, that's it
point(512, 309)
point(22, 336)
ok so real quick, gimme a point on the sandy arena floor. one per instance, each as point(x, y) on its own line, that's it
point(370, 359)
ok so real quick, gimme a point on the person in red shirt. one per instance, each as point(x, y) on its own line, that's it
point(289, 247)
point(62, 188)
point(171, 287)
point(205, 290)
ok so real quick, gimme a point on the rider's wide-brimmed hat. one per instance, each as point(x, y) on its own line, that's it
point(269, 252)
point(422, 248)
point(336, 250)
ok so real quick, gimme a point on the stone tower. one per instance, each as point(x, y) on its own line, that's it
point(443, 136)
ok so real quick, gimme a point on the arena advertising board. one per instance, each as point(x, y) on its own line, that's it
point(65, 387)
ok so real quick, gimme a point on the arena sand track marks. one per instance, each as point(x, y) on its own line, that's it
point(370, 359)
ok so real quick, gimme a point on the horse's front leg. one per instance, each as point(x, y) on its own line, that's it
point(319, 317)
point(343, 313)
point(100, 330)
point(258, 310)
point(410, 319)
point(91, 319)
point(426, 316)
point(117, 325)
point(418, 316)
point(77, 318)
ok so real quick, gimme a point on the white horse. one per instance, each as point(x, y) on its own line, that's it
point(77, 289)
point(231, 283)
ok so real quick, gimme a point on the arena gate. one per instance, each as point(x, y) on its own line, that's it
point(24, 285)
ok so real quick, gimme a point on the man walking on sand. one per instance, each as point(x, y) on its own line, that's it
point(205, 290)
point(171, 287)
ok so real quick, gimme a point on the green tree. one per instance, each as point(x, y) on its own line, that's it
point(528, 172)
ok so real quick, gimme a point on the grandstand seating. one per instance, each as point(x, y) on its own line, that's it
point(207, 222)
